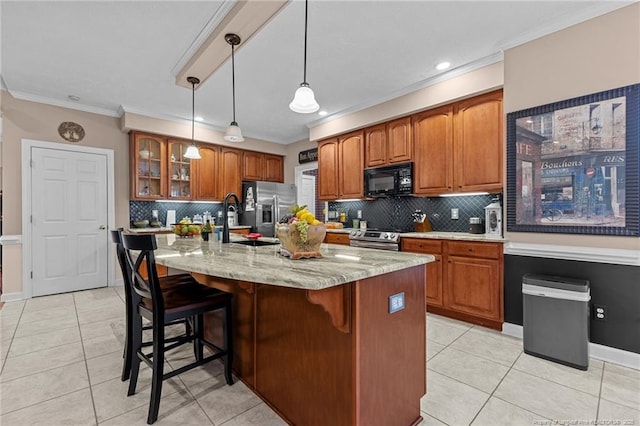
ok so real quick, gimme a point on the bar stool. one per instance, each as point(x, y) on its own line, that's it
point(166, 283)
point(161, 308)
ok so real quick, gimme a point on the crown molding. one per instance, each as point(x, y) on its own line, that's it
point(63, 104)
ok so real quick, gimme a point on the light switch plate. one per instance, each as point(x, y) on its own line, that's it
point(396, 302)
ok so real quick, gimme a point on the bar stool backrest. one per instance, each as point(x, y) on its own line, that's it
point(147, 288)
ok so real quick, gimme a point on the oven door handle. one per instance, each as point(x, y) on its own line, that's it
point(373, 244)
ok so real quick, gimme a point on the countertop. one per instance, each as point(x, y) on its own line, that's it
point(265, 265)
point(463, 236)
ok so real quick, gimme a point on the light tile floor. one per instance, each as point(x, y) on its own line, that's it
point(61, 359)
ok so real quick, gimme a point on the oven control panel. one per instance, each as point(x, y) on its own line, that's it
point(381, 236)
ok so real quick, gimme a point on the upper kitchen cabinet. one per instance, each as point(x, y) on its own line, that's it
point(458, 147)
point(433, 151)
point(206, 187)
point(230, 175)
point(259, 166)
point(180, 173)
point(252, 165)
point(399, 140)
point(478, 141)
point(340, 167)
point(328, 169)
point(273, 168)
point(388, 143)
point(375, 146)
point(148, 166)
point(351, 165)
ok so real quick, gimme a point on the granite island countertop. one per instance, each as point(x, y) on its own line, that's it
point(265, 265)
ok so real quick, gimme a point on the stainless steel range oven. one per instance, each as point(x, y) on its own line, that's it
point(384, 240)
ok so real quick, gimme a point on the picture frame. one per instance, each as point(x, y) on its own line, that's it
point(572, 165)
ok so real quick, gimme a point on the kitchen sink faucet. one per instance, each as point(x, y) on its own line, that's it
point(225, 209)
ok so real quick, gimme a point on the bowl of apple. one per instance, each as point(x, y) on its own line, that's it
point(187, 229)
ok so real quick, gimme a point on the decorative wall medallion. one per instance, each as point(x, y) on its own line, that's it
point(70, 131)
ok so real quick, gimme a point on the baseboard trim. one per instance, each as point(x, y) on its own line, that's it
point(597, 351)
point(11, 297)
point(117, 283)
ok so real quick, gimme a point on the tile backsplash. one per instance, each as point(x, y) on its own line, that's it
point(383, 213)
point(395, 212)
point(140, 210)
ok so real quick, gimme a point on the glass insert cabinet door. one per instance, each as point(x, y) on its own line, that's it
point(149, 162)
point(180, 171)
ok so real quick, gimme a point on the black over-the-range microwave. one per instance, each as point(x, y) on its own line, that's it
point(389, 181)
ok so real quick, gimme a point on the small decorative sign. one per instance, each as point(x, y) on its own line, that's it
point(70, 131)
point(308, 156)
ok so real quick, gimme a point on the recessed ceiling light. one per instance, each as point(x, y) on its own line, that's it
point(73, 98)
point(198, 118)
point(443, 66)
point(323, 113)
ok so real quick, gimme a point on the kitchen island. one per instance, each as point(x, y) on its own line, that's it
point(314, 338)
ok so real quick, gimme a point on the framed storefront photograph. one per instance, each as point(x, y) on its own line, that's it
point(572, 166)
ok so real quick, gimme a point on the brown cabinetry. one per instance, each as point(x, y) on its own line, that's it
point(433, 151)
point(180, 173)
point(434, 269)
point(340, 167)
point(351, 165)
point(230, 176)
point(388, 143)
point(328, 169)
point(273, 168)
point(148, 167)
point(465, 281)
point(336, 238)
point(259, 166)
point(478, 143)
point(206, 169)
point(458, 147)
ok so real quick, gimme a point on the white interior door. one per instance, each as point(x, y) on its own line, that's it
point(69, 237)
point(307, 192)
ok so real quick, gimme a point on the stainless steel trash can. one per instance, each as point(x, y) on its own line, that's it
point(556, 319)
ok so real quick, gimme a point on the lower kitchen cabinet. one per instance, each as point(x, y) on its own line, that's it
point(465, 281)
point(434, 269)
point(336, 238)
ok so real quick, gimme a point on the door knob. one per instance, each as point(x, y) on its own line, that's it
point(103, 227)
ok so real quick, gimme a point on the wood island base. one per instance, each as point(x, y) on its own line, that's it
point(334, 356)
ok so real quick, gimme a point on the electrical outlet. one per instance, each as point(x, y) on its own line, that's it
point(359, 214)
point(600, 312)
point(455, 213)
point(396, 302)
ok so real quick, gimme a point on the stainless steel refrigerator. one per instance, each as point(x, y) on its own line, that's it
point(264, 204)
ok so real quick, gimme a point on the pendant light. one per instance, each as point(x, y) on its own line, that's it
point(304, 101)
point(193, 152)
point(233, 134)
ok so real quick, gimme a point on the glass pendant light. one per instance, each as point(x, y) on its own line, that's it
point(304, 101)
point(193, 152)
point(233, 134)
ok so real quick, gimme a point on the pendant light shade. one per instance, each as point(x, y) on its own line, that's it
point(233, 134)
point(192, 151)
point(304, 101)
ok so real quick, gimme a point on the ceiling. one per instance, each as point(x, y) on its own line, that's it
point(124, 55)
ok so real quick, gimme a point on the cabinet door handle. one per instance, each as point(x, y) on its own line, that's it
point(470, 249)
